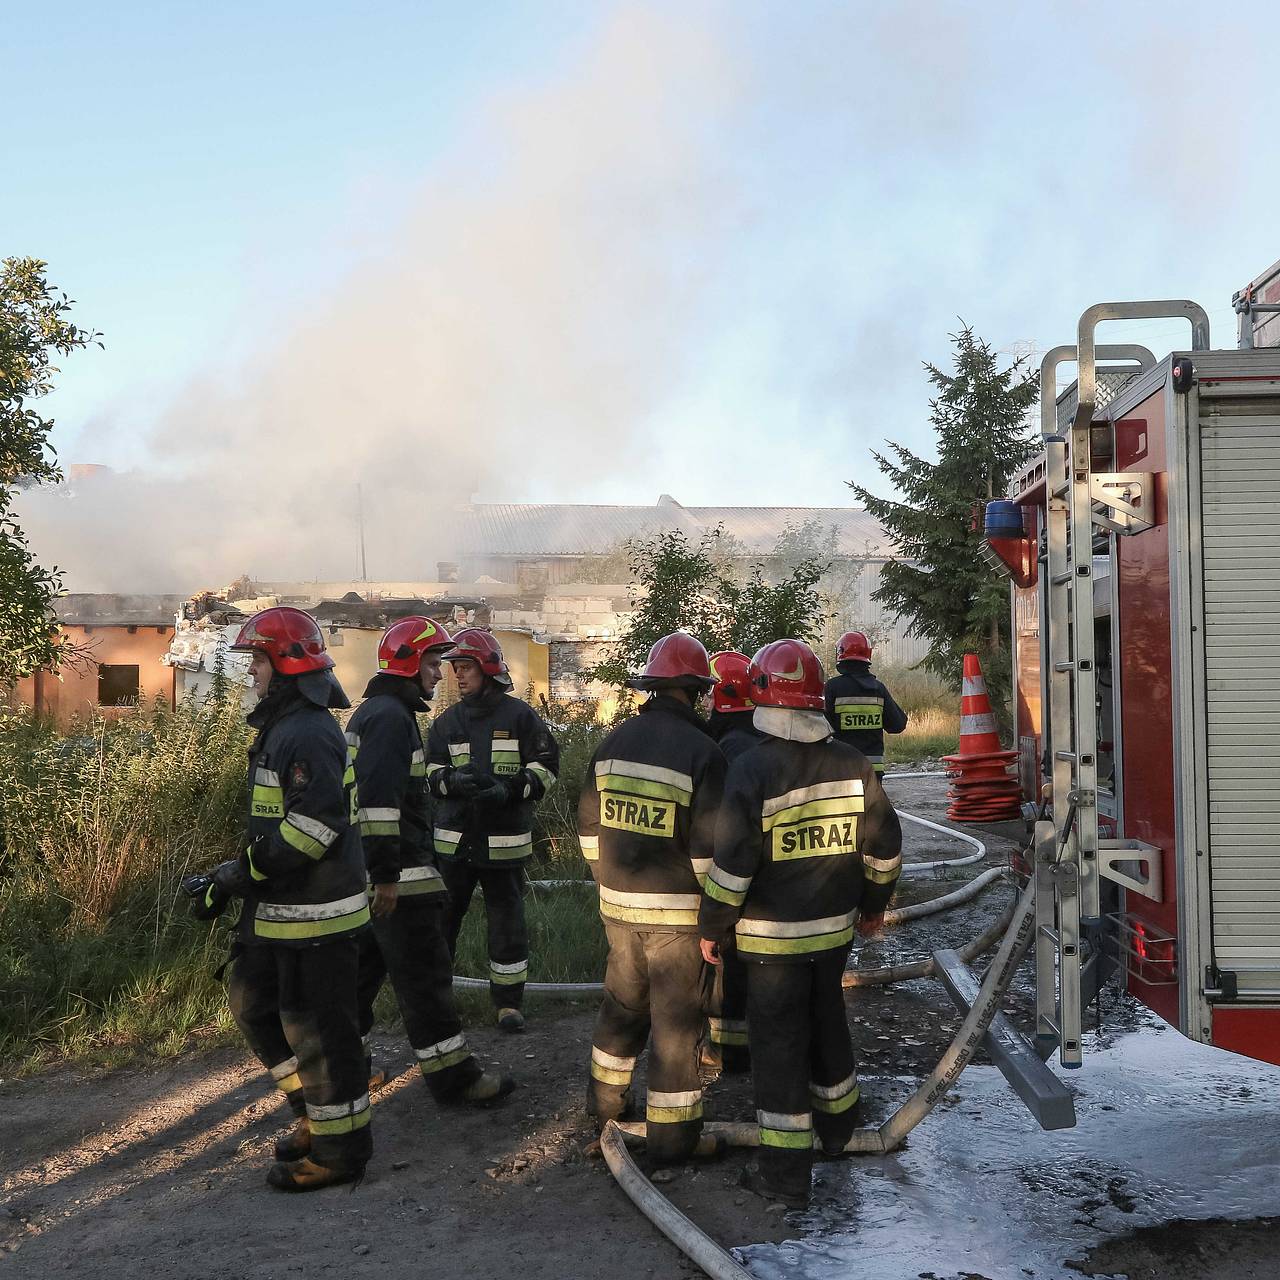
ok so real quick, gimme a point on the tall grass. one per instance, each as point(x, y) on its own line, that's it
point(933, 715)
point(97, 828)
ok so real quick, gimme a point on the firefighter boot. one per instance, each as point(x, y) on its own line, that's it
point(306, 1175)
point(487, 1089)
point(510, 1020)
point(296, 1143)
point(753, 1180)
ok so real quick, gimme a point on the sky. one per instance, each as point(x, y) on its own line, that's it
point(567, 252)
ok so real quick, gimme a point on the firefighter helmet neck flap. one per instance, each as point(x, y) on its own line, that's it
point(480, 647)
point(677, 661)
point(787, 687)
point(732, 691)
point(403, 644)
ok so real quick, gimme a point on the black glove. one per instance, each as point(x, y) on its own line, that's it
point(491, 791)
point(232, 877)
point(525, 785)
point(463, 783)
point(208, 900)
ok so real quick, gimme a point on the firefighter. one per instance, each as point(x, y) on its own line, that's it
point(807, 843)
point(407, 941)
point(490, 759)
point(292, 975)
point(861, 710)
point(731, 726)
point(646, 820)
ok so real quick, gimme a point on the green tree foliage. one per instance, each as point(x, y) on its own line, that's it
point(33, 325)
point(953, 599)
point(697, 587)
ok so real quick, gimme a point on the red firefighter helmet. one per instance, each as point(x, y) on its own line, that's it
point(677, 659)
point(787, 673)
point(732, 690)
point(403, 643)
point(291, 638)
point(853, 647)
point(479, 647)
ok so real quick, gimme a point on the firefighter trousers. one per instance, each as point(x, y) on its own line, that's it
point(503, 890)
point(296, 1007)
point(728, 1013)
point(655, 992)
point(802, 1064)
point(409, 947)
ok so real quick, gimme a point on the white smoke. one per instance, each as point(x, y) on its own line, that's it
point(537, 304)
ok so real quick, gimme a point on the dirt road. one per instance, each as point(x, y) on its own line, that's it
point(158, 1171)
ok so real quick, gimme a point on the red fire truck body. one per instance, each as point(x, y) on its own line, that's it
point(1186, 666)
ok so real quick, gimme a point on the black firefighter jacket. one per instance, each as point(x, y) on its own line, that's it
point(646, 816)
point(305, 865)
point(502, 738)
point(391, 785)
point(734, 732)
point(806, 837)
point(861, 711)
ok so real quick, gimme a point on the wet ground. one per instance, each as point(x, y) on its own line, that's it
point(161, 1168)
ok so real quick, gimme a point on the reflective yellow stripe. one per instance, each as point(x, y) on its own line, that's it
point(508, 975)
point(728, 1031)
point(547, 777)
point(792, 1139)
point(379, 828)
point(254, 873)
point(267, 802)
point(343, 1124)
point(642, 787)
point(607, 1075)
point(794, 946)
point(673, 1115)
point(721, 894)
point(590, 846)
point(311, 928)
point(645, 915)
point(300, 840)
point(649, 908)
point(508, 848)
point(837, 806)
point(835, 1106)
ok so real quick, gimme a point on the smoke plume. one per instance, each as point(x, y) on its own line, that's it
point(536, 304)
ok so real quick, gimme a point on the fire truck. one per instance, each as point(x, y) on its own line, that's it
point(1143, 544)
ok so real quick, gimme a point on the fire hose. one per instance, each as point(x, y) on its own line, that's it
point(890, 1135)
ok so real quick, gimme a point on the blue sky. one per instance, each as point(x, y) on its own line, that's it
point(568, 252)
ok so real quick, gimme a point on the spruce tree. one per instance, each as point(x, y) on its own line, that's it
point(953, 599)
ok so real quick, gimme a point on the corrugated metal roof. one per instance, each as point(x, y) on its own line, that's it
point(570, 529)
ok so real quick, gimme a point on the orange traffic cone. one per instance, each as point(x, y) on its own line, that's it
point(982, 789)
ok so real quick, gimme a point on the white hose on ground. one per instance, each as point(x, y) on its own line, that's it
point(919, 868)
point(891, 1134)
point(932, 906)
point(924, 967)
point(690, 1239)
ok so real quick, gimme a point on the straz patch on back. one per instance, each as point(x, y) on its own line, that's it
point(815, 828)
point(855, 718)
point(643, 815)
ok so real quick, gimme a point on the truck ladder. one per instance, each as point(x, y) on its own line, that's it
point(1068, 861)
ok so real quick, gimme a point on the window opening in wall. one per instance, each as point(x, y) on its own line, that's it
point(117, 684)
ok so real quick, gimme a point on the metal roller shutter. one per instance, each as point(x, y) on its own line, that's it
point(1240, 525)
